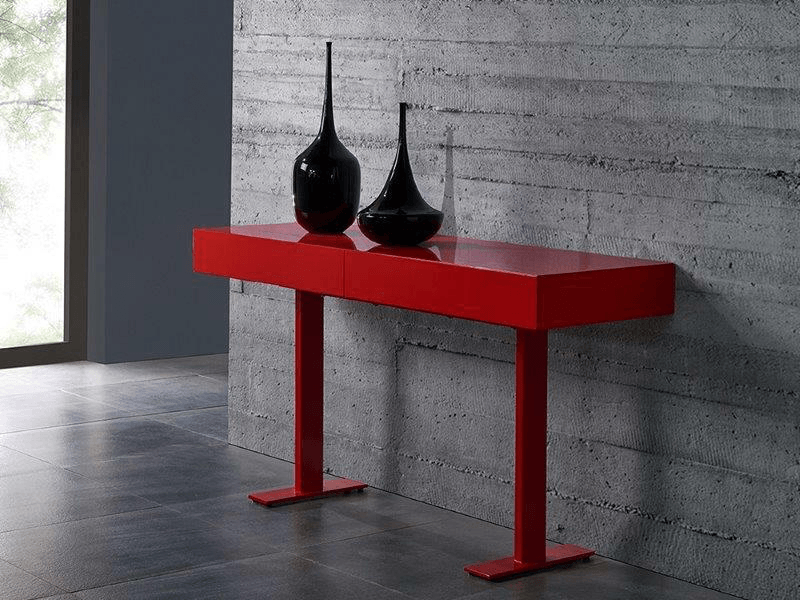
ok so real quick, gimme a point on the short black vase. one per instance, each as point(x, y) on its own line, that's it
point(326, 181)
point(399, 216)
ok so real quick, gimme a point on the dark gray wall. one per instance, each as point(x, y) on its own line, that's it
point(651, 128)
point(161, 130)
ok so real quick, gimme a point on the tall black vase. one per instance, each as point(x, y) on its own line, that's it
point(399, 215)
point(326, 180)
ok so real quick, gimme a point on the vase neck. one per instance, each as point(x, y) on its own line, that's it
point(326, 127)
point(401, 162)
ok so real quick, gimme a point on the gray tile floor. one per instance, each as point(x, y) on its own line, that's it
point(116, 482)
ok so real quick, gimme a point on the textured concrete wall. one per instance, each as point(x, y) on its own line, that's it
point(659, 129)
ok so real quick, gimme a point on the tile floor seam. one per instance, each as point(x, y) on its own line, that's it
point(67, 424)
point(35, 576)
point(145, 417)
point(347, 538)
point(47, 462)
point(209, 375)
point(206, 435)
point(365, 535)
point(73, 392)
point(185, 410)
point(198, 567)
point(80, 519)
point(77, 395)
point(114, 488)
point(72, 389)
point(315, 562)
point(57, 388)
point(69, 392)
point(167, 412)
point(71, 425)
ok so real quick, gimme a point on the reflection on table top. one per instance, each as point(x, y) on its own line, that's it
point(481, 254)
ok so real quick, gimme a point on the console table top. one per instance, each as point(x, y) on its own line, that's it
point(529, 287)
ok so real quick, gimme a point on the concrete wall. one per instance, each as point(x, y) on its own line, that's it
point(160, 165)
point(666, 130)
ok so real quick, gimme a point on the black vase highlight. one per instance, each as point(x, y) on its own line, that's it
point(326, 181)
point(399, 216)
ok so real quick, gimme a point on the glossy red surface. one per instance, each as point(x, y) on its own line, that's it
point(503, 568)
point(291, 495)
point(530, 448)
point(530, 288)
point(308, 382)
point(508, 284)
point(463, 252)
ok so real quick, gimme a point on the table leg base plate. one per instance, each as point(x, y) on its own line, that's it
point(290, 495)
point(504, 568)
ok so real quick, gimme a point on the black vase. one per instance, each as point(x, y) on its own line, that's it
point(326, 180)
point(399, 215)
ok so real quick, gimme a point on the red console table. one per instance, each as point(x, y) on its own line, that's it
point(529, 288)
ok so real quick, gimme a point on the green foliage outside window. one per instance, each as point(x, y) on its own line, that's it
point(32, 121)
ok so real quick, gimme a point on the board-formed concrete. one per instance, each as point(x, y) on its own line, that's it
point(663, 130)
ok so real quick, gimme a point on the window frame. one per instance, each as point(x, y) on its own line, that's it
point(76, 203)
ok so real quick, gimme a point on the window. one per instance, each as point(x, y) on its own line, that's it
point(44, 96)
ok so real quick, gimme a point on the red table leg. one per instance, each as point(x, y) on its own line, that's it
point(530, 471)
point(308, 482)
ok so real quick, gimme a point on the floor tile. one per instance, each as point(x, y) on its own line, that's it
point(112, 549)
point(499, 593)
point(279, 576)
point(54, 495)
point(182, 474)
point(223, 377)
point(198, 365)
point(295, 526)
point(12, 384)
point(604, 578)
point(102, 440)
point(160, 395)
point(425, 561)
point(16, 584)
point(13, 462)
point(212, 422)
point(155, 507)
point(70, 375)
point(21, 412)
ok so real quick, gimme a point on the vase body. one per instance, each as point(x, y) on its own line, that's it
point(326, 180)
point(399, 215)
